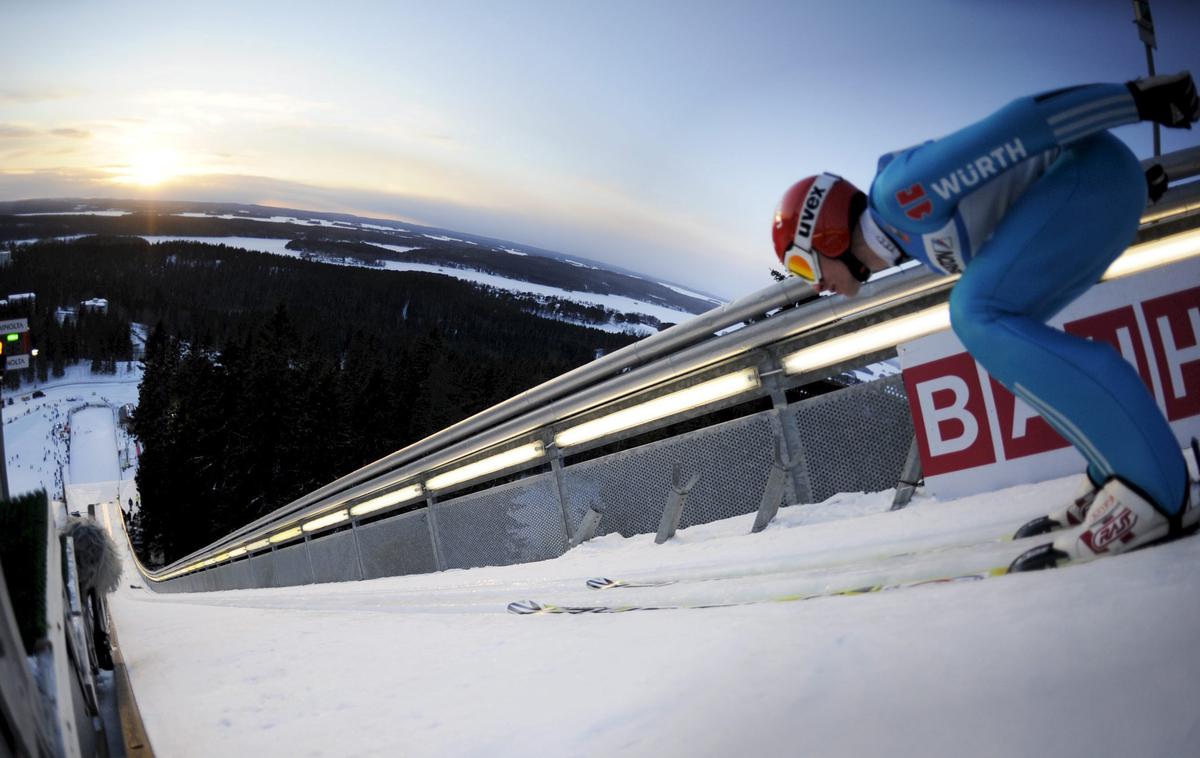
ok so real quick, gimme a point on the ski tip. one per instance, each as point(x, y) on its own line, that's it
point(1037, 558)
point(601, 583)
point(525, 607)
point(1039, 525)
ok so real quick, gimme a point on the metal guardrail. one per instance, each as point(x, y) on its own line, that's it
point(764, 323)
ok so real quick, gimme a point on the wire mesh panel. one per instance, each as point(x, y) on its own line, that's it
point(630, 488)
point(512, 523)
point(397, 545)
point(333, 557)
point(856, 439)
point(290, 566)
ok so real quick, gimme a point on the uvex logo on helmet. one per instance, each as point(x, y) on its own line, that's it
point(808, 214)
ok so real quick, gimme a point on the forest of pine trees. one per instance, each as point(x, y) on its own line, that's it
point(266, 377)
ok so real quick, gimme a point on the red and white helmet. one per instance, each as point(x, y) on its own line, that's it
point(814, 220)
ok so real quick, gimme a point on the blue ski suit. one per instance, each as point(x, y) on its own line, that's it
point(1031, 205)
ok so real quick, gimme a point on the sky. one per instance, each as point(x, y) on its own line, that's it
point(656, 135)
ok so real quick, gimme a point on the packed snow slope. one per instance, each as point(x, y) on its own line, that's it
point(1090, 660)
point(38, 432)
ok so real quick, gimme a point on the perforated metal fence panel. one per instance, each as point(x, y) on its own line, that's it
point(333, 557)
point(856, 439)
point(397, 545)
point(513, 523)
point(630, 488)
point(240, 570)
point(262, 570)
point(218, 578)
point(290, 566)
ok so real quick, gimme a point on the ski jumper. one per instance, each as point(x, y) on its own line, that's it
point(1031, 205)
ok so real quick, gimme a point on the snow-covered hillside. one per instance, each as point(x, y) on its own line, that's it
point(630, 302)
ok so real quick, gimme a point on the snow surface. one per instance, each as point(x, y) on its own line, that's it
point(394, 248)
point(1090, 660)
point(94, 446)
point(37, 434)
point(273, 219)
point(77, 213)
point(65, 238)
point(259, 244)
point(691, 293)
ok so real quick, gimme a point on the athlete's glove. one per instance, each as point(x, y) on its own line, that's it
point(1169, 99)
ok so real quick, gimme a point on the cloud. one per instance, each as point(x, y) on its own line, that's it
point(16, 131)
point(217, 107)
point(71, 133)
point(12, 131)
point(27, 96)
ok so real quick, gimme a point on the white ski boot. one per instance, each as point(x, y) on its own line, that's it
point(1072, 514)
point(1120, 519)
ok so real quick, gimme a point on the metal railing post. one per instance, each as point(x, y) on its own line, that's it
point(362, 571)
point(434, 536)
point(560, 489)
point(308, 554)
point(791, 444)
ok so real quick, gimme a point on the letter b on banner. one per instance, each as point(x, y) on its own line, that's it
point(947, 412)
point(938, 418)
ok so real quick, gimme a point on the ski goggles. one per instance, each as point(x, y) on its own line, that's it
point(805, 264)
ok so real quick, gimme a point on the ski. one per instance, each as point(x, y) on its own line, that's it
point(534, 608)
point(602, 583)
point(609, 583)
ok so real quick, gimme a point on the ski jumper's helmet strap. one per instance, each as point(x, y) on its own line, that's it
point(878, 240)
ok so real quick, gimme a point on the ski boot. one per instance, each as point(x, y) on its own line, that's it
point(1072, 515)
point(1120, 519)
point(1169, 99)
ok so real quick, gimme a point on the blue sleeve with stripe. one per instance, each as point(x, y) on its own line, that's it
point(919, 189)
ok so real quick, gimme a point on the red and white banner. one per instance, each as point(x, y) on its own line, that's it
point(974, 435)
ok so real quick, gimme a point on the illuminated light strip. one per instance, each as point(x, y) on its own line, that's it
point(252, 546)
point(885, 334)
point(389, 499)
point(661, 407)
point(1155, 253)
point(328, 519)
point(512, 457)
point(285, 535)
point(237, 552)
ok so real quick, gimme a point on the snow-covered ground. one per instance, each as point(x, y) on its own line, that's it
point(77, 213)
point(94, 446)
point(37, 431)
point(1090, 660)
